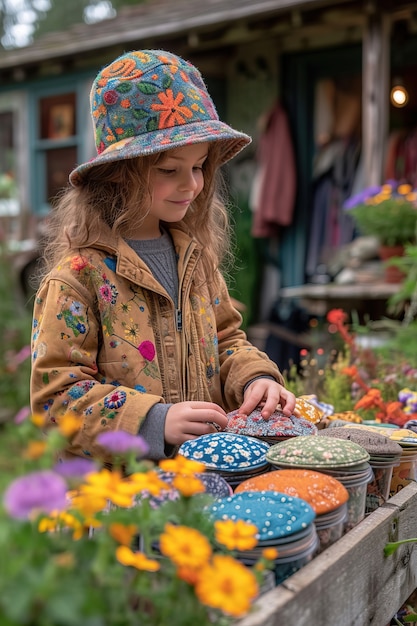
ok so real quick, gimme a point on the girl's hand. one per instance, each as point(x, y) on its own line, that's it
point(269, 394)
point(189, 420)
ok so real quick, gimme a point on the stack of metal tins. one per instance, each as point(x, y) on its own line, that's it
point(234, 457)
point(325, 494)
point(384, 454)
point(284, 522)
point(344, 460)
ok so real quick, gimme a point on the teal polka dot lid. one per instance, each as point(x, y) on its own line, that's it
point(275, 514)
point(227, 452)
point(316, 452)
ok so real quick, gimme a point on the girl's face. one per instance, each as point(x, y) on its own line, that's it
point(175, 181)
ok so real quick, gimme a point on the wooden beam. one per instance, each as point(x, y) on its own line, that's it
point(375, 97)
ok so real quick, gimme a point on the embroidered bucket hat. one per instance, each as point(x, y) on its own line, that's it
point(147, 101)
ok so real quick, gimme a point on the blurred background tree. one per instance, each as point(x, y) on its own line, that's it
point(23, 21)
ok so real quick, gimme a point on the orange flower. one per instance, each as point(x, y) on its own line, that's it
point(172, 113)
point(270, 554)
point(34, 450)
point(69, 424)
point(38, 420)
point(182, 465)
point(371, 400)
point(127, 557)
point(351, 371)
point(239, 535)
point(188, 485)
point(186, 547)
point(123, 533)
point(188, 574)
point(228, 585)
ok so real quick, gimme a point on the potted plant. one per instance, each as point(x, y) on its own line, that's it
point(388, 212)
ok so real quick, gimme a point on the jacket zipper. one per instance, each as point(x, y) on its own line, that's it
point(178, 319)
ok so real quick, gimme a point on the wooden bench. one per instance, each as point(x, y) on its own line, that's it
point(351, 583)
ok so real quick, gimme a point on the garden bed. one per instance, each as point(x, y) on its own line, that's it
point(351, 583)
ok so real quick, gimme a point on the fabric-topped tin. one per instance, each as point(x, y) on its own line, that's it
point(308, 410)
point(316, 452)
point(274, 514)
point(375, 443)
point(322, 492)
point(277, 427)
point(227, 452)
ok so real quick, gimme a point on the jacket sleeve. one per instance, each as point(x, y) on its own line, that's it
point(240, 361)
point(65, 377)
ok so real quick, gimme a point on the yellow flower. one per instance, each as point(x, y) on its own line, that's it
point(188, 485)
point(69, 424)
point(88, 504)
point(123, 533)
point(182, 465)
point(60, 520)
point(227, 585)
point(127, 557)
point(239, 535)
point(270, 554)
point(109, 485)
point(148, 481)
point(404, 189)
point(34, 450)
point(186, 547)
point(38, 420)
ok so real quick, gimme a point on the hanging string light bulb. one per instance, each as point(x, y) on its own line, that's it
point(399, 94)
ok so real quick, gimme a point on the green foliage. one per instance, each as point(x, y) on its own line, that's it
point(15, 330)
point(392, 221)
point(388, 213)
point(322, 376)
point(93, 556)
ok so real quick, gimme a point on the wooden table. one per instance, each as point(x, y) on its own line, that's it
point(318, 299)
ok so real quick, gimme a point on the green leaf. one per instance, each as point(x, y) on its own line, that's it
point(148, 88)
point(391, 547)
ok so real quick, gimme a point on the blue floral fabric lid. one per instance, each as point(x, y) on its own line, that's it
point(275, 514)
point(227, 452)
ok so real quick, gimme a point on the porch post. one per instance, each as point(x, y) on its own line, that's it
point(375, 92)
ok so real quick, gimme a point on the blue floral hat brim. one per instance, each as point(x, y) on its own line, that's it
point(148, 101)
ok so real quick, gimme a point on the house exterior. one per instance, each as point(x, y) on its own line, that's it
point(253, 55)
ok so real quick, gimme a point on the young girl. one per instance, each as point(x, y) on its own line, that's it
point(134, 328)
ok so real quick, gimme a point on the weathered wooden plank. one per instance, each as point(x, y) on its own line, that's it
point(351, 583)
point(375, 81)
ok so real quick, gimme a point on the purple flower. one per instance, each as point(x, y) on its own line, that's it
point(37, 492)
point(75, 468)
point(405, 394)
point(120, 442)
point(361, 197)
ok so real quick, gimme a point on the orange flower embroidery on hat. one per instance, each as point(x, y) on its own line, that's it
point(124, 69)
point(172, 113)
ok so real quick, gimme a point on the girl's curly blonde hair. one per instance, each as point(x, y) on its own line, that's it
point(118, 193)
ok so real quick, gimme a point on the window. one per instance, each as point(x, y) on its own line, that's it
point(57, 136)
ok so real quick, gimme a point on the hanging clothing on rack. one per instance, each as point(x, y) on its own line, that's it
point(334, 173)
point(274, 186)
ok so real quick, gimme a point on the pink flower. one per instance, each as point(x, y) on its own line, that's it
point(147, 350)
